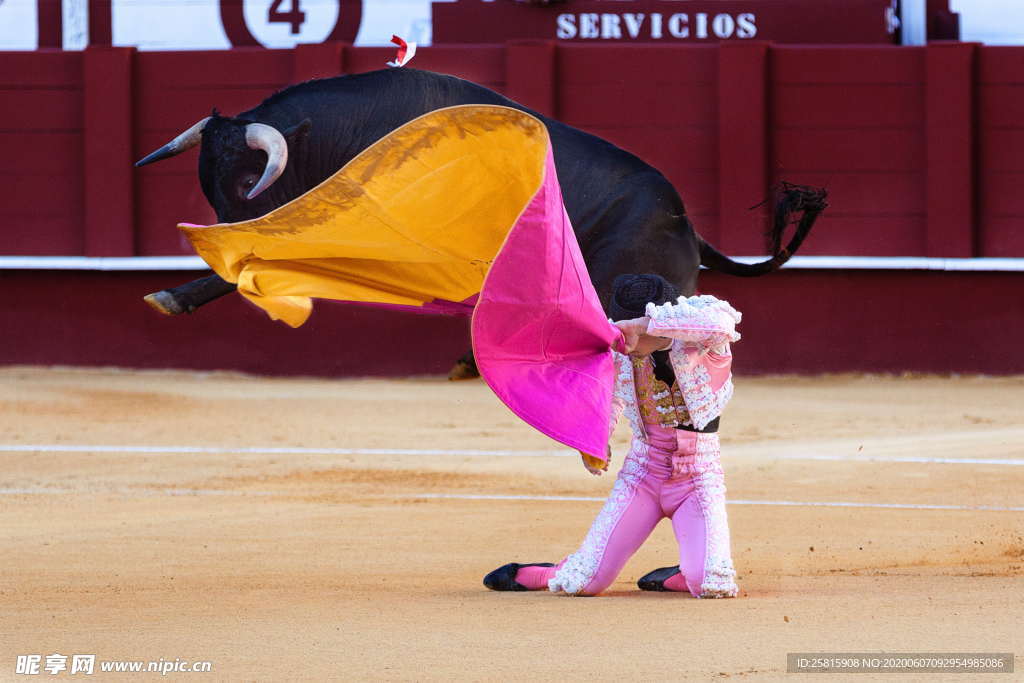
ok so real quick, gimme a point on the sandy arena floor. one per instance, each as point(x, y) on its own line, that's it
point(335, 565)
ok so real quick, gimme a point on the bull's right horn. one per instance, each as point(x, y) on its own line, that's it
point(187, 140)
point(269, 139)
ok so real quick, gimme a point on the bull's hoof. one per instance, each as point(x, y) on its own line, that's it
point(463, 370)
point(165, 302)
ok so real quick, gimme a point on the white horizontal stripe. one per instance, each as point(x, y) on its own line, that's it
point(52, 490)
point(1013, 462)
point(102, 263)
point(473, 453)
point(42, 490)
point(783, 503)
point(896, 263)
point(273, 450)
point(800, 262)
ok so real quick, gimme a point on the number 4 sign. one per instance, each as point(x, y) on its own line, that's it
point(295, 16)
point(286, 23)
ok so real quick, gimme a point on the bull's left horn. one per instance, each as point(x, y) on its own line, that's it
point(270, 140)
point(187, 140)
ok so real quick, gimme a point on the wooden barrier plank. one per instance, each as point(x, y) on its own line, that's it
point(41, 233)
point(642, 103)
point(530, 77)
point(1000, 150)
point(742, 147)
point(160, 72)
point(866, 235)
point(53, 319)
point(483, 64)
point(607, 63)
point(40, 69)
point(847, 64)
point(109, 219)
point(163, 202)
point(1003, 237)
point(101, 19)
point(317, 60)
point(844, 151)
point(50, 23)
point(848, 105)
point(40, 110)
point(1000, 64)
point(168, 117)
point(42, 152)
point(1001, 105)
point(949, 103)
point(870, 194)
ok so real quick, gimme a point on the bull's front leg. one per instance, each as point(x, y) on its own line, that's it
point(189, 296)
point(464, 368)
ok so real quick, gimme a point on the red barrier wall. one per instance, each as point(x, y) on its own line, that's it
point(793, 321)
point(922, 148)
point(1000, 151)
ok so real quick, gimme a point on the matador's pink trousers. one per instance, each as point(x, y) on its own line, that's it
point(677, 475)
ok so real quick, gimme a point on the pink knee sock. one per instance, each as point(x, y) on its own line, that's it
point(535, 578)
point(676, 582)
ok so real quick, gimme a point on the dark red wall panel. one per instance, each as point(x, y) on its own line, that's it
point(794, 321)
point(660, 104)
point(108, 181)
point(41, 164)
point(483, 64)
point(920, 148)
point(949, 129)
point(530, 75)
point(96, 318)
point(801, 321)
point(1000, 151)
point(852, 120)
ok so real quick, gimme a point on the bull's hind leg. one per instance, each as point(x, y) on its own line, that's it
point(464, 368)
point(188, 297)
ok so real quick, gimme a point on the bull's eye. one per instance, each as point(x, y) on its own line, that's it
point(246, 184)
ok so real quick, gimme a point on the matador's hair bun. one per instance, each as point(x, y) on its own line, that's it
point(632, 293)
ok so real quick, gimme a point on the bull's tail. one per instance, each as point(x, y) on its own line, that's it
point(792, 199)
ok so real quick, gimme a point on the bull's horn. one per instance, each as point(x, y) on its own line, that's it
point(187, 140)
point(270, 140)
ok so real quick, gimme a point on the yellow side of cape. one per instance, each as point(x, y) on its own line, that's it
point(419, 215)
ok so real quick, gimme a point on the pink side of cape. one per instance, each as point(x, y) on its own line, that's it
point(541, 339)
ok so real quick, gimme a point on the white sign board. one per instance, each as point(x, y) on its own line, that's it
point(19, 25)
point(219, 24)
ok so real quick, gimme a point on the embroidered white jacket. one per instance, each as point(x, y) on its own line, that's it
point(701, 329)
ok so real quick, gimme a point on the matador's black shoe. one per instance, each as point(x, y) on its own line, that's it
point(504, 578)
point(655, 581)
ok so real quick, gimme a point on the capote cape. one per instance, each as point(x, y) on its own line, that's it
point(458, 211)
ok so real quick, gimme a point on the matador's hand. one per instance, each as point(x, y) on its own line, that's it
point(594, 465)
point(631, 331)
point(637, 341)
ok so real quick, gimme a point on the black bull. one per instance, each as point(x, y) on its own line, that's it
point(627, 216)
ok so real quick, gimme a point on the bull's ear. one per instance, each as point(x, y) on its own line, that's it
point(298, 132)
